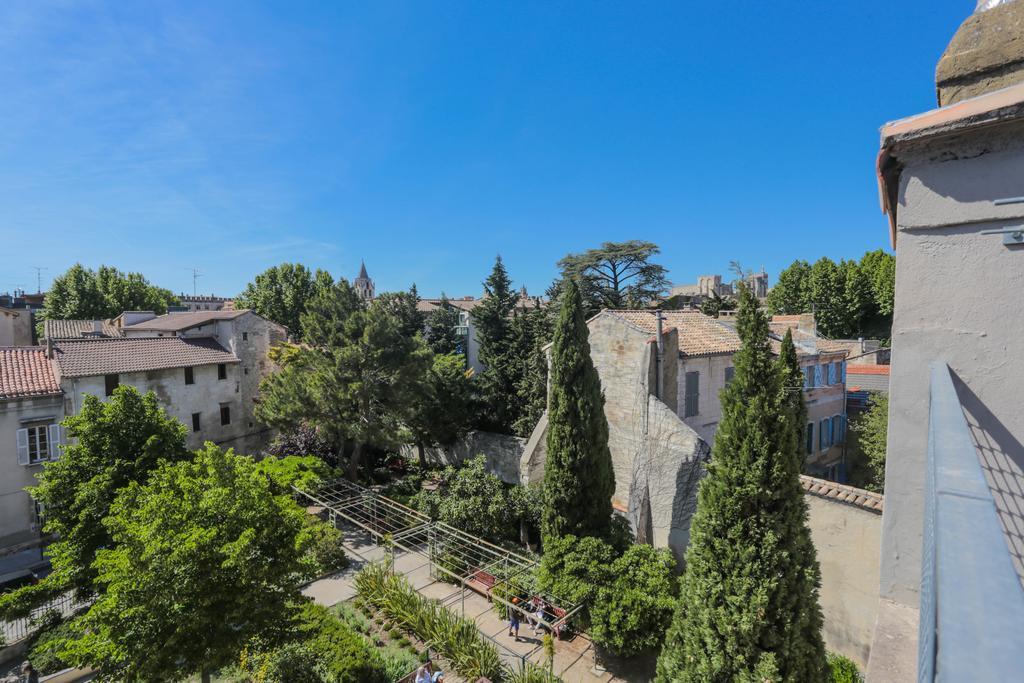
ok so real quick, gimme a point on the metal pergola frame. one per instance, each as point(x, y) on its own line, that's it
point(451, 552)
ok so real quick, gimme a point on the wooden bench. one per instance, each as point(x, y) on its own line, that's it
point(482, 582)
point(558, 613)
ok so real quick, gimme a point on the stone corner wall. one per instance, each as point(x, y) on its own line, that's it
point(503, 453)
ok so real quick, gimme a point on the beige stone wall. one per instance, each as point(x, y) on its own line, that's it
point(848, 542)
point(15, 327)
point(712, 381)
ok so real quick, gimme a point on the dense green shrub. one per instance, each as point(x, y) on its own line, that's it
point(477, 502)
point(44, 650)
point(632, 613)
point(843, 669)
point(342, 653)
point(303, 472)
point(325, 543)
point(575, 569)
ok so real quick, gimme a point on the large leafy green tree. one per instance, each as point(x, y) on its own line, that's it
point(282, 293)
point(442, 404)
point(748, 606)
point(791, 295)
point(112, 444)
point(402, 307)
point(578, 477)
point(492, 319)
point(348, 377)
point(84, 294)
point(205, 558)
point(871, 430)
point(828, 298)
point(615, 275)
point(880, 269)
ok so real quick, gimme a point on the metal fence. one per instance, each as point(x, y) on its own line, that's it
point(972, 604)
point(19, 629)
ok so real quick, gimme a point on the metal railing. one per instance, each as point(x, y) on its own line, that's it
point(972, 604)
point(19, 629)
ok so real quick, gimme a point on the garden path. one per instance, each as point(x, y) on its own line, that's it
point(574, 659)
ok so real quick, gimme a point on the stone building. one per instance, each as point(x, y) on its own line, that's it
point(952, 555)
point(193, 303)
point(245, 335)
point(709, 286)
point(363, 284)
point(15, 327)
point(31, 406)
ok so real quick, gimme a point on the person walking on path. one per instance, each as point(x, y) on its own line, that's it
point(513, 619)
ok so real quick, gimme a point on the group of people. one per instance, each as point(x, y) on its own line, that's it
point(534, 610)
point(427, 674)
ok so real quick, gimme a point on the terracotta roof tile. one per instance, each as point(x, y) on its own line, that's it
point(866, 500)
point(25, 371)
point(176, 322)
point(74, 329)
point(699, 334)
point(89, 357)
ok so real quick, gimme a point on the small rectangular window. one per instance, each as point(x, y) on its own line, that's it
point(190, 377)
point(222, 371)
point(225, 415)
point(245, 336)
point(729, 372)
point(692, 401)
point(196, 425)
point(246, 370)
point(111, 382)
point(809, 377)
point(810, 438)
point(38, 444)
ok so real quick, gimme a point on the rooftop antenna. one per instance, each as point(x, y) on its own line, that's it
point(39, 278)
point(196, 274)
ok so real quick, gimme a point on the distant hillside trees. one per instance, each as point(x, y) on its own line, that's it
point(81, 293)
point(282, 293)
point(848, 299)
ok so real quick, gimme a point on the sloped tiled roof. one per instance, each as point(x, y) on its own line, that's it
point(866, 500)
point(176, 322)
point(699, 334)
point(74, 329)
point(89, 357)
point(778, 325)
point(25, 371)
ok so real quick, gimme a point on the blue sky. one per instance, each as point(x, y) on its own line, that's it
point(426, 137)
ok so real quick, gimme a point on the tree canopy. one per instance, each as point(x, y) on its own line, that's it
point(871, 431)
point(441, 324)
point(81, 293)
point(348, 377)
point(615, 275)
point(578, 477)
point(112, 444)
point(282, 293)
point(849, 298)
point(205, 558)
point(493, 321)
point(442, 404)
point(748, 607)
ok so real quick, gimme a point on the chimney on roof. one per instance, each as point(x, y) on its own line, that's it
point(985, 54)
point(49, 347)
point(97, 327)
point(659, 380)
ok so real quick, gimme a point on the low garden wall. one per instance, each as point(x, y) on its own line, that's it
point(503, 452)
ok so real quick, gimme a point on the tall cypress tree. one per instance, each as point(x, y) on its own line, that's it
point(494, 333)
point(578, 476)
point(748, 606)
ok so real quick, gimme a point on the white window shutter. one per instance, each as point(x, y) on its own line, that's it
point(22, 440)
point(55, 441)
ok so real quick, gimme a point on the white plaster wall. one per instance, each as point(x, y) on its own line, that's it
point(17, 512)
point(957, 301)
point(847, 540)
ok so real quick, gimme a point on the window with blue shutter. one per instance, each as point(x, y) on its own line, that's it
point(692, 397)
point(832, 374)
point(810, 438)
point(842, 372)
point(818, 379)
point(821, 435)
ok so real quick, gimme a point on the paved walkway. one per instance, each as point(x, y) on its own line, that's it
point(574, 659)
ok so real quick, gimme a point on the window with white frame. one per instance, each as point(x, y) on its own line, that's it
point(38, 442)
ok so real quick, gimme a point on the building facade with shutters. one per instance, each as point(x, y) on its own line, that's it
point(31, 408)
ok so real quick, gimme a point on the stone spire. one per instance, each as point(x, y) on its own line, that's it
point(363, 284)
point(986, 54)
